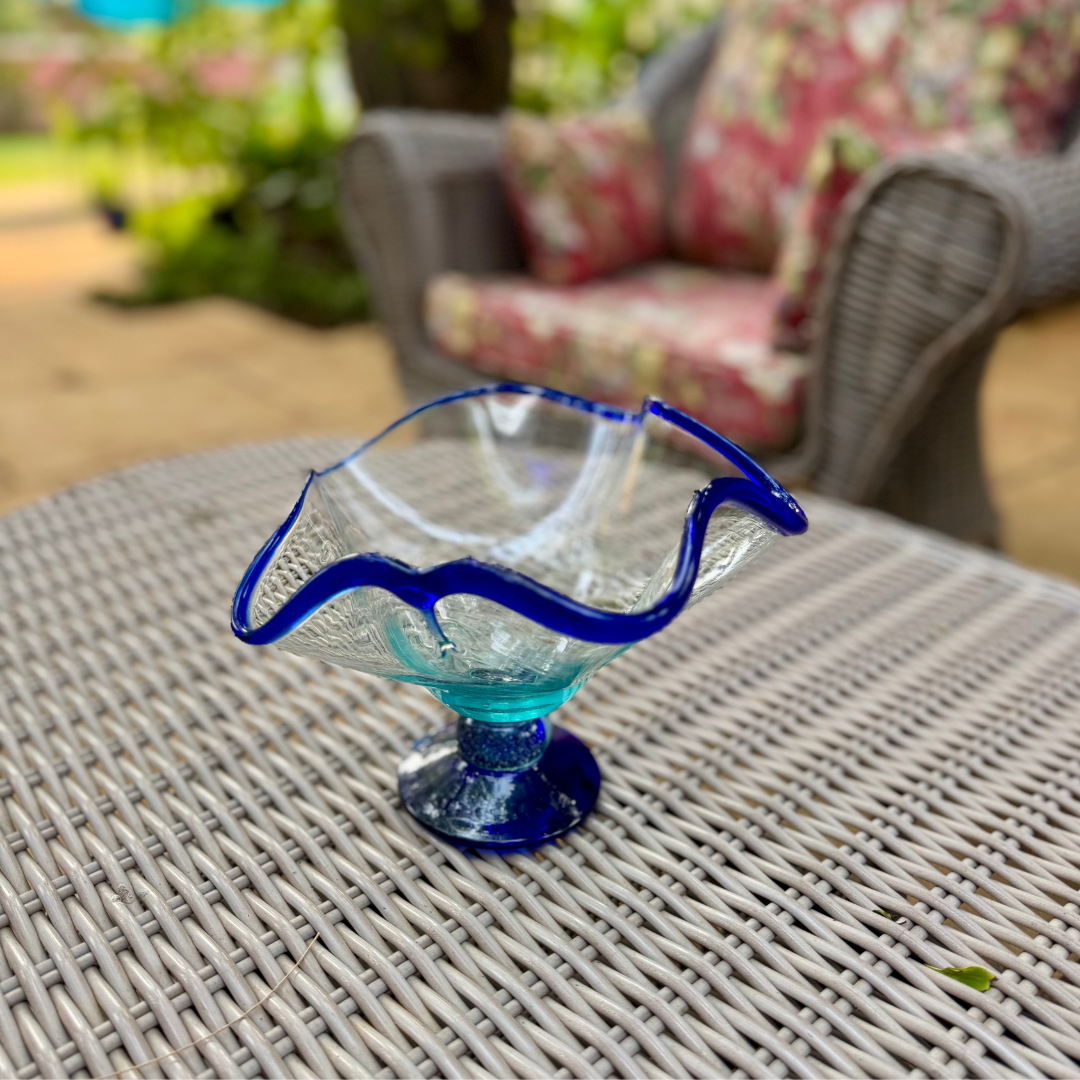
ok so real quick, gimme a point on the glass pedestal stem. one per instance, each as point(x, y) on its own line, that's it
point(503, 747)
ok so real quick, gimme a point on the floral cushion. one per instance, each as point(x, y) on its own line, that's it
point(695, 337)
point(843, 154)
point(586, 192)
point(786, 70)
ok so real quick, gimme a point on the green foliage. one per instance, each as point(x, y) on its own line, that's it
point(276, 243)
point(18, 15)
point(978, 978)
point(24, 158)
point(256, 214)
point(163, 92)
point(225, 105)
point(577, 54)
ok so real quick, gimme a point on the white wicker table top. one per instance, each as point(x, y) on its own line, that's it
point(872, 720)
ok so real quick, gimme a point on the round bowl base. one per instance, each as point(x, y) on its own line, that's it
point(477, 807)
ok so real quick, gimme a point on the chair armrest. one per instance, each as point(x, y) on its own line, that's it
point(934, 254)
point(1047, 193)
point(928, 262)
point(421, 194)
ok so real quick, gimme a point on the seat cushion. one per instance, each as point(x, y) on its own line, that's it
point(586, 192)
point(698, 338)
point(786, 70)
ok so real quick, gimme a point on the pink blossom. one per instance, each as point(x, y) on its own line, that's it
point(228, 75)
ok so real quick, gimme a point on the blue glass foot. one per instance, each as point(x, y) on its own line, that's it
point(501, 785)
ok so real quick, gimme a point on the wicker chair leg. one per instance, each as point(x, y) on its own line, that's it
point(937, 477)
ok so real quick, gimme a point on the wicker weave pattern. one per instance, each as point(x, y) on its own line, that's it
point(921, 279)
point(872, 718)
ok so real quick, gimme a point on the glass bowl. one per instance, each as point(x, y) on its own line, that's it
point(499, 546)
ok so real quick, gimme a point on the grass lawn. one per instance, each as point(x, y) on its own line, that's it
point(34, 158)
point(26, 158)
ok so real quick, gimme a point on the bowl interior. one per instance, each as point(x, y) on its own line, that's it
point(588, 502)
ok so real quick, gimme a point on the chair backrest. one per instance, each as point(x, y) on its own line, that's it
point(668, 88)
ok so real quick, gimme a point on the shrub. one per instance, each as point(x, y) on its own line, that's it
point(236, 120)
point(275, 242)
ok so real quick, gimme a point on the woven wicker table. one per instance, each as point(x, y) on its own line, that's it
point(204, 870)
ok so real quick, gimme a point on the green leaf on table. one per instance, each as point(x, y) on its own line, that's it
point(978, 978)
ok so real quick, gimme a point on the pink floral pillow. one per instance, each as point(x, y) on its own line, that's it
point(786, 70)
point(586, 192)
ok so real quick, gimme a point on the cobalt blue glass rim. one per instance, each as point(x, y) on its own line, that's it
point(756, 491)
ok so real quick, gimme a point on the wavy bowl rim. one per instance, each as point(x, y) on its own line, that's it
point(756, 492)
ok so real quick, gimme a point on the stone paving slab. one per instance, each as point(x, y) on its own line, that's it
point(1031, 438)
point(86, 388)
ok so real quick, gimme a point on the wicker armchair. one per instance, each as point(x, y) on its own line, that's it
point(934, 255)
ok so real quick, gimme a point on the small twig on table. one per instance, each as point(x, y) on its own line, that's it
point(217, 1031)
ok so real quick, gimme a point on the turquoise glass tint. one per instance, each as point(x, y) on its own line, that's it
point(128, 12)
point(499, 547)
point(120, 14)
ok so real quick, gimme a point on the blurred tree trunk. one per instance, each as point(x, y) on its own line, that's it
point(430, 54)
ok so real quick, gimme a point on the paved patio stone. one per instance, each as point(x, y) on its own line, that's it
point(1031, 438)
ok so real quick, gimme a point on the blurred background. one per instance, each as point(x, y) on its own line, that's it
point(173, 275)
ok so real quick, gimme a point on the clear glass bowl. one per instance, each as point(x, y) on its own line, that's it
point(499, 546)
